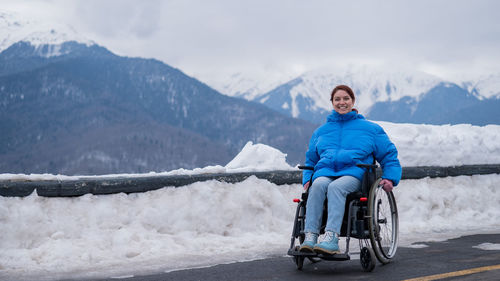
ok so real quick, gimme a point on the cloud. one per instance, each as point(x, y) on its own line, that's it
point(124, 19)
point(218, 37)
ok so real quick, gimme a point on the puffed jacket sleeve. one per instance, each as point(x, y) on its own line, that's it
point(312, 158)
point(387, 155)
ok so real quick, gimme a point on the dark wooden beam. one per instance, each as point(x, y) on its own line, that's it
point(97, 186)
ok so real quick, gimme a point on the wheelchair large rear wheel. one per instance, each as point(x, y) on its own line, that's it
point(301, 222)
point(383, 223)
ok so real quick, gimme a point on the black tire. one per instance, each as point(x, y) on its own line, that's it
point(299, 260)
point(367, 259)
point(301, 223)
point(383, 223)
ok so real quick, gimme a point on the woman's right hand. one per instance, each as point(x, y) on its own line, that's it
point(306, 185)
point(387, 185)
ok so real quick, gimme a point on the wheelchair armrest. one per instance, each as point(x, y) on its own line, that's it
point(372, 166)
point(306, 168)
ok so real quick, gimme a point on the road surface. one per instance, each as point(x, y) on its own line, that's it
point(455, 259)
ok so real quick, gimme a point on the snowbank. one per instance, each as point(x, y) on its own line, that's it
point(446, 145)
point(258, 157)
point(207, 223)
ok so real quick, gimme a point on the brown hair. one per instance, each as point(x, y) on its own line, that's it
point(345, 88)
point(349, 91)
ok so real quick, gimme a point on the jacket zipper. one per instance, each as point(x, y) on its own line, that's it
point(340, 142)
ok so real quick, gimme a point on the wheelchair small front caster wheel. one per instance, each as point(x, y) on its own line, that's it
point(299, 260)
point(367, 259)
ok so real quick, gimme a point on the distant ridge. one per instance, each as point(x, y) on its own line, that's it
point(392, 94)
point(88, 111)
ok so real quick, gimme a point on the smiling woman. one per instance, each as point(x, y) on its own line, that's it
point(335, 149)
point(342, 99)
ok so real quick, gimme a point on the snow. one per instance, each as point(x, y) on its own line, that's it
point(263, 157)
point(418, 145)
point(14, 27)
point(418, 246)
point(445, 145)
point(240, 85)
point(206, 223)
point(212, 222)
point(489, 86)
point(488, 246)
point(374, 83)
point(252, 158)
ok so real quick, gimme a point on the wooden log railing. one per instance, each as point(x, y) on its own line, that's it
point(111, 185)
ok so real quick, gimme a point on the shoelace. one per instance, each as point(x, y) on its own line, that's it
point(328, 236)
point(310, 236)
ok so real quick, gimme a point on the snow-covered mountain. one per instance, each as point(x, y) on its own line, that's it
point(307, 96)
point(369, 83)
point(243, 86)
point(70, 106)
point(15, 27)
point(487, 86)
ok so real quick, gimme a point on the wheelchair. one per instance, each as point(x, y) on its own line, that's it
point(371, 216)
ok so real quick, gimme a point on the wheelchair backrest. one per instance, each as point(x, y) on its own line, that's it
point(369, 177)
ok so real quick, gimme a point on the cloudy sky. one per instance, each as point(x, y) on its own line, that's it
point(213, 39)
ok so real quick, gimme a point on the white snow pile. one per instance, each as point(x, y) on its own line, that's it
point(445, 145)
point(211, 222)
point(488, 246)
point(206, 223)
point(262, 157)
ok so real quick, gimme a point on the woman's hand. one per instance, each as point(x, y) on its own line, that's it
point(387, 185)
point(306, 185)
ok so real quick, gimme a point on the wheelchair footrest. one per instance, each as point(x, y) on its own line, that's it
point(334, 257)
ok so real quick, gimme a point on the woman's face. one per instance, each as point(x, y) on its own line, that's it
point(342, 102)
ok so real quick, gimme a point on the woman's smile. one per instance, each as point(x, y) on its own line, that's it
point(342, 102)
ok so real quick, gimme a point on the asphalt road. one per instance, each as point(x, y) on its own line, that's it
point(455, 259)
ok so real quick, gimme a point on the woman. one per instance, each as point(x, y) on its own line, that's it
point(335, 148)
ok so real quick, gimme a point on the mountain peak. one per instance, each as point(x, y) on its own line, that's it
point(488, 86)
point(14, 28)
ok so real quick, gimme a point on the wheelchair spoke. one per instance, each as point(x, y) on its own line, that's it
point(384, 225)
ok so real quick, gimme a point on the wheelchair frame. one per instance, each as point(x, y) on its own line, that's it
point(370, 215)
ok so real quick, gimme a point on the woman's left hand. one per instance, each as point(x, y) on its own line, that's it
point(387, 185)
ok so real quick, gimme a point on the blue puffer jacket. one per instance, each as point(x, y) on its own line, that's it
point(346, 140)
